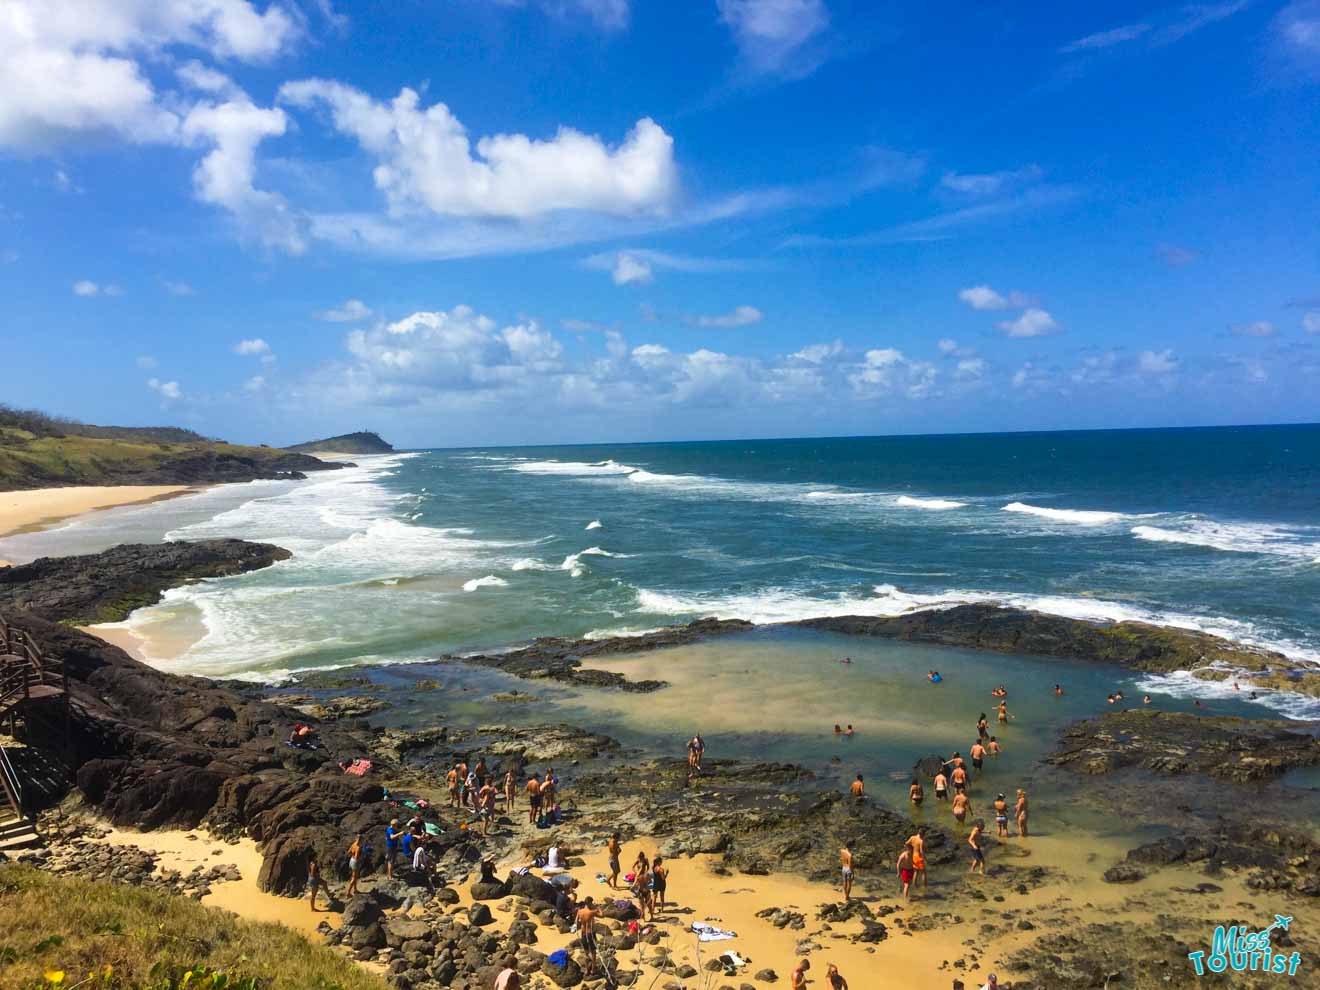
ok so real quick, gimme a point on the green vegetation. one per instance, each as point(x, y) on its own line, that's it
point(347, 443)
point(63, 932)
point(38, 451)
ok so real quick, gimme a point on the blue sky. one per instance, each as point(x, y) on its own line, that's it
point(524, 221)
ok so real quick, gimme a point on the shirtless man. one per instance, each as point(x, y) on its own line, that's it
point(978, 755)
point(959, 776)
point(1020, 812)
point(846, 862)
point(994, 749)
point(917, 843)
point(510, 790)
point(586, 923)
point(905, 870)
point(615, 849)
point(486, 804)
point(533, 799)
point(975, 840)
point(858, 789)
point(452, 778)
point(798, 978)
point(941, 786)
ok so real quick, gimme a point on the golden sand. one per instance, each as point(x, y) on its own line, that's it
point(30, 510)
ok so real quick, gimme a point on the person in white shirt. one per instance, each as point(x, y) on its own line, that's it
point(993, 983)
point(508, 980)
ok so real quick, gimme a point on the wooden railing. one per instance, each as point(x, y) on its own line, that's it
point(23, 668)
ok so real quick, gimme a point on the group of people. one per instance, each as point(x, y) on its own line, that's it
point(476, 788)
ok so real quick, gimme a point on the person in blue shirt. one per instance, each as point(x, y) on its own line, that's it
point(392, 833)
point(408, 841)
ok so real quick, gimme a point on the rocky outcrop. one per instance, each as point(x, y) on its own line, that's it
point(560, 659)
point(345, 443)
point(1232, 749)
point(1135, 645)
point(107, 586)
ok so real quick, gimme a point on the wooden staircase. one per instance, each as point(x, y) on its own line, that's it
point(30, 685)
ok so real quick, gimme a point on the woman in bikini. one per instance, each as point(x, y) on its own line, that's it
point(961, 806)
point(659, 885)
point(915, 793)
point(354, 864)
point(1020, 811)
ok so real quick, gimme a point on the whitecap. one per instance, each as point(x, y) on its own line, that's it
point(1079, 517)
point(573, 467)
point(1185, 684)
point(933, 504)
point(489, 581)
point(594, 524)
point(1262, 538)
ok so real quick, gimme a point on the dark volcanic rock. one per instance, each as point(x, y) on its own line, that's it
point(107, 586)
point(1233, 749)
point(559, 659)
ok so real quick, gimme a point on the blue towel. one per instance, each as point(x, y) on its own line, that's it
point(559, 958)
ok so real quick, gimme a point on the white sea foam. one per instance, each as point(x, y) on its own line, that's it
point(623, 633)
point(532, 564)
point(573, 467)
point(1079, 517)
point(489, 581)
point(934, 504)
point(1261, 538)
point(787, 605)
point(573, 562)
point(1185, 684)
point(594, 524)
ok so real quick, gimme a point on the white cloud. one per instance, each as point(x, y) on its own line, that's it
point(70, 69)
point(971, 369)
point(951, 348)
point(776, 37)
point(169, 391)
point(636, 259)
point(1106, 39)
point(252, 348)
point(225, 176)
point(87, 288)
point(425, 160)
point(1259, 328)
point(1157, 362)
point(1033, 322)
point(351, 311)
point(147, 362)
point(1297, 32)
point(631, 270)
point(989, 183)
point(255, 384)
point(177, 288)
point(742, 316)
point(819, 353)
point(1253, 369)
point(609, 14)
point(983, 297)
point(1311, 321)
point(885, 372)
point(205, 79)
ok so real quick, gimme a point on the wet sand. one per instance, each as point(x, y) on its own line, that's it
point(26, 511)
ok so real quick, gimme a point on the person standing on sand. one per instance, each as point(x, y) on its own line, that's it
point(586, 925)
point(533, 798)
point(615, 848)
point(642, 888)
point(905, 869)
point(798, 978)
point(1020, 812)
point(486, 800)
point(846, 864)
point(858, 789)
point(915, 794)
point(510, 790)
point(917, 843)
point(659, 883)
point(834, 978)
point(313, 878)
point(452, 779)
point(975, 840)
point(354, 863)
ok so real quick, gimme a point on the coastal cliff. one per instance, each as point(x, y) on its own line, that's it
point(363, 442)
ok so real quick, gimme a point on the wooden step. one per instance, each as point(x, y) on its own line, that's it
point(19, 833)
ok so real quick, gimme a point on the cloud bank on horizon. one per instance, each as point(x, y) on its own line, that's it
point(654, 221)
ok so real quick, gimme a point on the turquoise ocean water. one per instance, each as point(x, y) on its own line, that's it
point(413, 555)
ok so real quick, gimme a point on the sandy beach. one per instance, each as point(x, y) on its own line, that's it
point(24, 511)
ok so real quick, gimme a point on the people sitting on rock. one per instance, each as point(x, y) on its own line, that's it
point(302, 736)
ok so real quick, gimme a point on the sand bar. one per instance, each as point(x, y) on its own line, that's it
point(34, 509)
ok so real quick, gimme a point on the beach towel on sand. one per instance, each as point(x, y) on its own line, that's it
point(706, 932)
point(359, 768)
